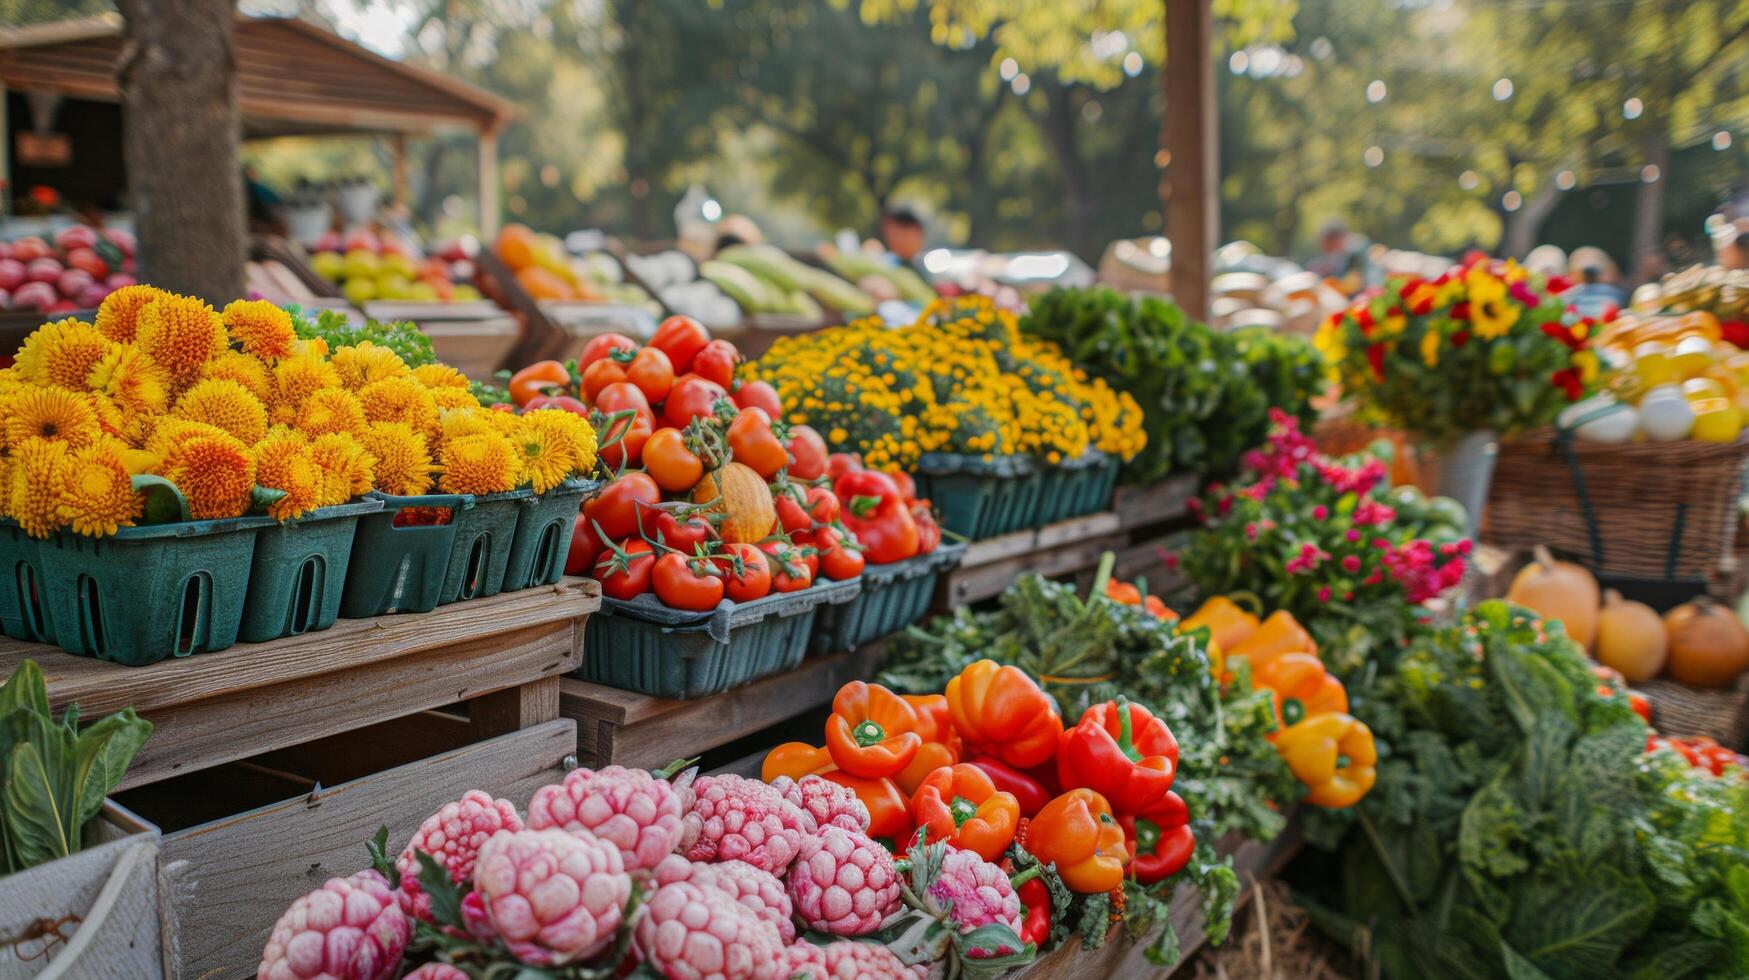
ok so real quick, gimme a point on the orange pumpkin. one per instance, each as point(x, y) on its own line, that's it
point(1630, 638)
point(1708, 645)
point(1558, 590)
point(744, 500)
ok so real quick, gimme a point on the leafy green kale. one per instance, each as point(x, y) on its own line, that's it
point(403, 337)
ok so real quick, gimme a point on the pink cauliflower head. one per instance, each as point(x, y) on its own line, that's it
point(453, 836)
point(738, 819)
point(756, 889)
point(549, 896)
point(843, 882)
point(979, 891)
point(830, 804)
point(848, 959)
point(437, 971)
point(629, 807)
point(690, 932)
point(348, 929)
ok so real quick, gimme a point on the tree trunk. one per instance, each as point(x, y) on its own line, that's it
point(1059, 130)
point(1524, 225)
point(180, 134)
point(1649, 216)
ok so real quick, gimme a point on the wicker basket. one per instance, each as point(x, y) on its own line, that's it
point(1650, 510)
point(1722, 713)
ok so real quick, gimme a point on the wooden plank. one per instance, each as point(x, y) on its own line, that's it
point(232, 878)
point(1155, 504)
point(617, 727)
point(965, 585)
point(516, 708)
point(992, 550)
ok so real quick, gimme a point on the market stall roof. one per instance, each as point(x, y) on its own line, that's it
point(293, 77)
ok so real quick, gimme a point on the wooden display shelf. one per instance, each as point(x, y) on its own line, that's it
point(1168, 500)
point(618, 727)
point(1063, 548)
point(504, 655)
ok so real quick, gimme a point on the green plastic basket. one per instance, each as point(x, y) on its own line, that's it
point(483, 538)
point(136, 597)
point(401, 569)
point(1077, 488)
point(979, 498)
point(893, 596)
point(543, 535)
point(299, 572)
point(642, 645)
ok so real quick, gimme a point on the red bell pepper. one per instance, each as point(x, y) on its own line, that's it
point(1035, 900)
point(1160, 840)
point(875, 511)
point(1122, 752)
point(1031, 794)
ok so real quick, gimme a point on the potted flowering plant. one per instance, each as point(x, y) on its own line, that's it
point(1480, 351)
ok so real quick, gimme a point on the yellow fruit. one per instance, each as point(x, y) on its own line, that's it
point(1716, 420)
point(1695, 389)
point(360, 290)
point(1692, 356)
point(329, 265)
point(1652, 362)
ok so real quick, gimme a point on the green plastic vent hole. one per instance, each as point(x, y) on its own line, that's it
point(30, 606)
point(196, 593)
point(91, 616)
point(475, 581)
point(548, 552)
point(304, 599)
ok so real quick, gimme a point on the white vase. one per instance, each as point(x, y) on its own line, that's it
point(1464, 471)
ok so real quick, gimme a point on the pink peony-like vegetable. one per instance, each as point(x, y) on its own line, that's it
point(830, 804)
point(738, 819)
point(690, 932)
point(756, 889)
point(348, 929)
point(843, 882)
point(629, 807)
point(979, 891)
point(550, 896)
point(453, 836)
point(848, 959)
point(436, 971)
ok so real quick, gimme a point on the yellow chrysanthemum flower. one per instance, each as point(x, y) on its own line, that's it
point(311, 347)
point(440, 375)
point(118, 314)
point(403, 463)
point(262, 329)
point(347, 467)
point(215, 472)
point(453, 423)
point(132, 380)
point(283, 462)
point(54, 414)
point(453, 398)
point(479, 464)
point(294, 380)
point(62, 353)
point(226, 404)
point(400, 400)
point(365, 363)
point(331, 410)
point(571, 434)
point(33, 485)
point(243, 369)
point(169, 433)
point(543, 461)
point(180, 333)
point(96, 490)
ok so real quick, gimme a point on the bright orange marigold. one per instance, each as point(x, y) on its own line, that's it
point(283, 462)
point(403, 462)
point(347, 468)
point(96, 489)
point(33, 485)
point(132, 380)
point(226, 404)
point(215, 472)
point(118, 315)
point(181, 333)
point(62, 353)
point(400, 400)
point(479, 464)
point(364, 363)
point(440, 375)
point(243, 369)
point(55, 414)
point(331, 410)
point(261, 328)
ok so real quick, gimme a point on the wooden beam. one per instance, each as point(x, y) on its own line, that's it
point(1191, 179)
point(398, 152)
point(488, 186)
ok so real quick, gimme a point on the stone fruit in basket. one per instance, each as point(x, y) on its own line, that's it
point(552, 897)
point(349, 927)
point(453, 836)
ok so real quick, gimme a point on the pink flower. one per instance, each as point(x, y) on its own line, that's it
point(1324, 594)
point(979, 891)
point(351, 928)
point(1320, 512)
point(436, 971)
point(738, 819)
point(1351, 563)
point(1353, 535)
point(453, 835)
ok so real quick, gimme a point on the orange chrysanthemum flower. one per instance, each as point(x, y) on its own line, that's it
point(316, 347)
point(400, 400)
point(440, 375)
point(295, 379)
point(180, 333)
point(226, 404)
point(132, 380)
point(365, 363)
point(454, 398)
point(215, 472)
point(33, 485)
point(347, 468)
point(62, 353)
point(54, 414)
point(283, 462)
point(479, 464)
point(169, 433)
point(261, 328)
point(569, 434)
point(118, 315)
point(243, 369)
point(331, 410)
point(403, 463)
point(96, 490)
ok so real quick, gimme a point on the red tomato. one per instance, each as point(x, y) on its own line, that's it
point(1641, 706)
point(687, 583)
point(822, 505)
point(789, 570)
point(563, 402)
point(839, 560)
point(716, 362)
point(747, 572)
point(808, 451)
point(691, 398)
point(652, 372)
point(585, 547)
point(758, 394)
point(603, 373)
point(622, 395)
point(624, 569)
point(928, 530)
point(808, 551)
point(683, 534)
point(674, 467)
point(681, 338)
point(625, 506)
point(622, 443)
point(752, 443)
point(792, 515)
point(600, 347)
point(907, 486)
point(839, 464)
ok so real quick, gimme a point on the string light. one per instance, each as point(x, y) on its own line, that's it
point(1374, 156)
point(1375, 91)
point(1469, 180)
point(1565, 180)
point(1722, 140)
point(1632, 108)
point(1512, 201)
point(1502, 89)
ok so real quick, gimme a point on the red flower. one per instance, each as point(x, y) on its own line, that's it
point(1569, 381)
point(1460, 338)
point(1363, 318)
point(1375, 356)
point(1461, 311)
point(1559, 284)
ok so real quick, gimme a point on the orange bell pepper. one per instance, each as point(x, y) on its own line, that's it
point(872, 731)
point(889, 813)
point(941, 744)
point(1334, 755)
point(930, 757)
point(795, 760)
point(1000, 711)
point(1301, 687)
point(1227, 623)
point(963, 807)
point(1078, 834)
point(1279, 634)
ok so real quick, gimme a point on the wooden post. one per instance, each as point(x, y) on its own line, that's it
point(398, 155)
point(5, 157)
point(1190, 181)
point(488, 184)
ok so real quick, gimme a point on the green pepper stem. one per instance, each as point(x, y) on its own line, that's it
point(1024, 876)
point(868, 733)
point(1125, 732)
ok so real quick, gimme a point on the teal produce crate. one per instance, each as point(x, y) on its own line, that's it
point(136, 597)
point(543, 535)
point(401, 568)
point(1077, 488)
point(893, 596)
point(299, 572)
point(642, 645)
point(979, 498)
point(483, 538)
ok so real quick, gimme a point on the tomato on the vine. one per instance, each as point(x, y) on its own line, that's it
point(839, 464)
point(683, 582)
point(622, 441)
point(625, 506)
point(624, 569)
point(585, 547)
point(690, 398)
point(681, 338)
point(807, 551)
point(822, 505)
point(809, 452)
point(537, 379)
point(746, 570)
point(716, 362)
point(652, 372)
point(682, 533)
point(600, 375)
point(674, 467)
point(792, 514)
point(605, 344)
point(758, 394)
point(839, 559)
point(928, 529)
point(752, 443)
point(789, 570)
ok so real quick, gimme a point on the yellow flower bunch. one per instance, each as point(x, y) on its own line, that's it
point(962, 379)
point(224, 404)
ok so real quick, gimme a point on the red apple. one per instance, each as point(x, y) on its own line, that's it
point(5, 250)
point(61, 306)
point(43, 270)
point(127, 265)
point(37, 296)
point(361, 239)
point(91, 296)
point(73, 282)
point(122, 240)
point(75, 236)
point(88, 260)
point(5, 299)
point(31, 247)
point(11, 274)
point(117, 280)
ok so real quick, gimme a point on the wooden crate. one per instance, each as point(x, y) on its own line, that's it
point(1168, 500)
point(1063, 548)
point(504, 654)
point(616, 727)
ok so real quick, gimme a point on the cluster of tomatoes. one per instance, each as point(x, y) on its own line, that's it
point(710, 495)
point(1699, 751)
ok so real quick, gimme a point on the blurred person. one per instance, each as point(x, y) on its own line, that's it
point(1546, 261)
point(264, 203)
point(1598, 282)
point(903, 234)
point(1342, 256)
point(738, 229)
point(1731, 244)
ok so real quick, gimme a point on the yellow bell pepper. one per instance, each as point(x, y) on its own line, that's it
point(1226, 621)
point(1333, 754)
point(1279, 634)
